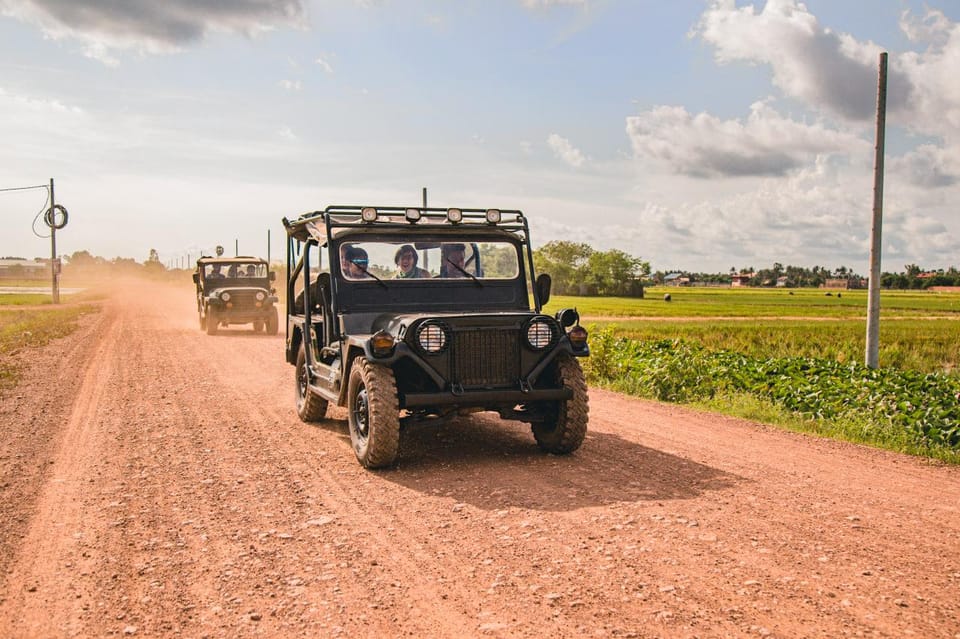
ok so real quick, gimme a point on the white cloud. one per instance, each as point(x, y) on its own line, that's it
point(702, 145)
point(323, 64)
point(541, 4)
point(287, 133)
point(565, 151)
point(149, 26)
point(825, 69)
point(291, 85)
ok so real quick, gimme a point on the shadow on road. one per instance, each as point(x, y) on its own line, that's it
point(493, 464)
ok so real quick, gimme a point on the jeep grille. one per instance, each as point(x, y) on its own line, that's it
point(486, 356)
point(243, 299)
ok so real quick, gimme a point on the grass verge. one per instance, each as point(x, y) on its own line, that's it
point(20, 329)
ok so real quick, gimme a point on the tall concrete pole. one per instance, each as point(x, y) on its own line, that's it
point(872, 356)
point(54, 275)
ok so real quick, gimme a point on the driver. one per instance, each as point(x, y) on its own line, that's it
point(452, 260)
point(353, 262)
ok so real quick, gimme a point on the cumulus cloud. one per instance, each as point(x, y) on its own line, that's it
point(148, 25)
point(540, 4)
point(702, 145)
point(935, 109)
point(291, 85)
point(818, 215)
point(565, 151)
point(323, 64)
point(827, 70)
point(927, 166)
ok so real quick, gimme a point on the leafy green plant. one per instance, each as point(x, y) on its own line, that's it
point(905, 409)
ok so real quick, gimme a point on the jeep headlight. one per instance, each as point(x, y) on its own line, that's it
point(432, 337)
point(540, 334)
point(225, 296)
point(260, 296)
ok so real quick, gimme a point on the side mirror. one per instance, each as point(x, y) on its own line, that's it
point(196, 278)
point(543, 288)
point(272, 276)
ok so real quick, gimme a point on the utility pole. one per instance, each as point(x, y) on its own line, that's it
point(872, 355)
point(54, 274)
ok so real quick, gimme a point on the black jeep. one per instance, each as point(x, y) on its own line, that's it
point(236, 290)
point(413, 314)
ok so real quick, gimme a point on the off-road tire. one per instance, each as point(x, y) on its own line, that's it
point(310, 407)
point(373, 414)
point(258, 326)
point(564, 430)
point(273, 323)
point(203, 322)
point(212, 321)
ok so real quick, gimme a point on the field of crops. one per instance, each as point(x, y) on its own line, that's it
point(789, 357)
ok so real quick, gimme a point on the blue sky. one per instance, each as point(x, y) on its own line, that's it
point(695, 135)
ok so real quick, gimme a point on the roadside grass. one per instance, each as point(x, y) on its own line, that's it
point(793, 361)
point(911, 344)
point(726, 302)
point(25, 299)
point(21, 328)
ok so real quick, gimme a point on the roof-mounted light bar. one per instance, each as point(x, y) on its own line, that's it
point(368, 214)
point(454, 216)
point(412, 215)
point(493, 216)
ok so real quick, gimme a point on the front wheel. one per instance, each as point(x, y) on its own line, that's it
point(566, 425)
point(273, 323)
point(373, 414)
point(212, 321)
point(310, 406)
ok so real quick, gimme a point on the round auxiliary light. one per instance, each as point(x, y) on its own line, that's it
point(260, 296)
point(539, 334)
point(578, 337)
point(368, 214)
point(225, 296)
point(454, 215)
point(412, 215)
point(493, 216)
point(432, 337)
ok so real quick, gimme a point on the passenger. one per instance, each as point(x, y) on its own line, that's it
point(251, 271)
point(406, 259)
point(452, 260)
point(215, 271)
point(353, 262)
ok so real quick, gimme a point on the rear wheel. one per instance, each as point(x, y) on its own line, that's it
point(566, 426)
point(212, 321)
point(310, 406)
point(373, 414)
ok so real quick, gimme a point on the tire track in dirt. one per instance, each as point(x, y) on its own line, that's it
point(53, 538)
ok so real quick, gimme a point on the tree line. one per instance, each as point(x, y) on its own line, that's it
point(579, 269)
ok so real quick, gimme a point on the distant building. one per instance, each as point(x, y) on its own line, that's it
point(18, 268)
point(676, 279)
point(844, 283)
point(741, 279)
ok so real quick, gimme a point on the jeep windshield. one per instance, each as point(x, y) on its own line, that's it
point(412, 258)
point(239, 271)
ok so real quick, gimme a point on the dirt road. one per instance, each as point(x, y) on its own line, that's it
point(156, 482)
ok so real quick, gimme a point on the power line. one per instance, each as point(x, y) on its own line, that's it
point(25, 188)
